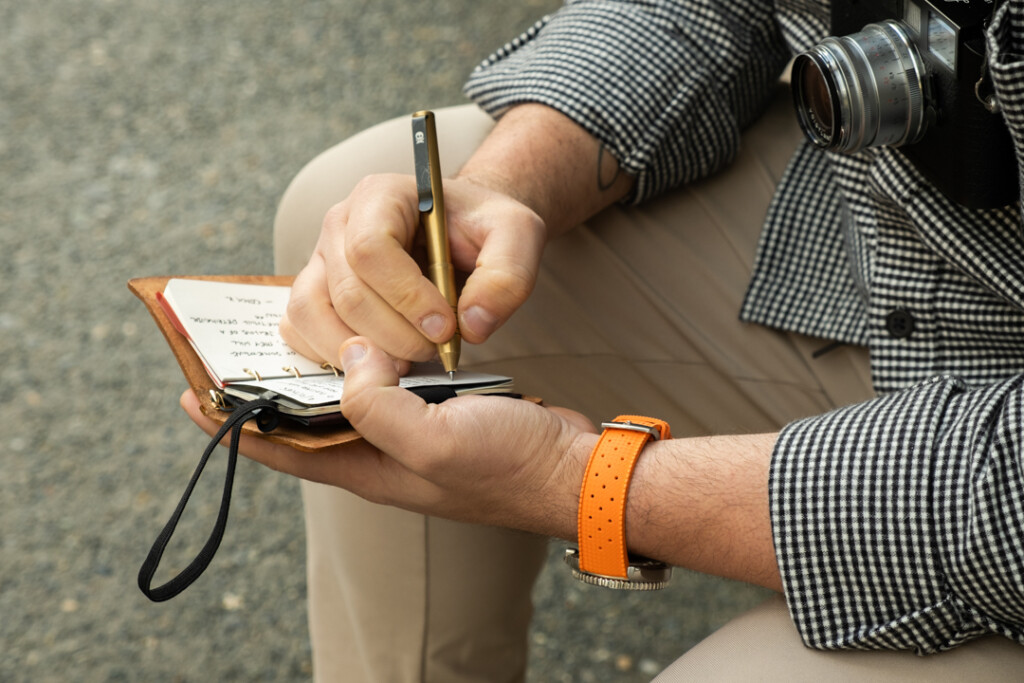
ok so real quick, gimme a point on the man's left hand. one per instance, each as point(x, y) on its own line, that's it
point(483, 459)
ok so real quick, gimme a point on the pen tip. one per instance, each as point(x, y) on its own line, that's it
point(451, 374)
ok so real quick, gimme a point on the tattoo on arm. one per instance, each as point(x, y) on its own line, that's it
point(602, 172)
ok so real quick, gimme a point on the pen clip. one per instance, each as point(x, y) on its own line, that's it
point(423, 136)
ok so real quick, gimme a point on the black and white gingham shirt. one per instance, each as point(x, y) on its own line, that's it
point(899, 523)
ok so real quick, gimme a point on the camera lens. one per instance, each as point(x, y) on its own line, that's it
point(862, 90)
point(817, 99)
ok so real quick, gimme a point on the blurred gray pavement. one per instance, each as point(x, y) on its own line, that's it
point(144, 137)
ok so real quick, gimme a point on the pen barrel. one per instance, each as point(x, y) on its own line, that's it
point(430, 197)
point(443, 277)
point(442, 274)
point(439, 256)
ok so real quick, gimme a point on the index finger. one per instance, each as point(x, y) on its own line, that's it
point(310, 324)
point(381, 259)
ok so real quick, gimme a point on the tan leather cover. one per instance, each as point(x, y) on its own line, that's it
point(308, 439)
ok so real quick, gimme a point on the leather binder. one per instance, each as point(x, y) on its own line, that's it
point(309, 439)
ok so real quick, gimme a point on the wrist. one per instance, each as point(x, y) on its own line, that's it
point(566, 490)
point(493, 180)
point(547, 162)
point(702, 503)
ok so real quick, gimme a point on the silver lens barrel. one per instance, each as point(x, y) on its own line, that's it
point(861, 90)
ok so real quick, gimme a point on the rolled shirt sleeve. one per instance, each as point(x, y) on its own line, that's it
point(665, 85)
point(898, 522)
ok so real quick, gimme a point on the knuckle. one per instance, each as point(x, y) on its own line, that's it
point(514, 281)
point(298, 311)
point(372, 184)
point(358, 406)
point(348, 296)
point(337, 214)
point(295, 313)
point(362, 248)
point(408, 299)
point(334, 227)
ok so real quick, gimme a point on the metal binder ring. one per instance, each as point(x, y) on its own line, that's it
point(252, 373)
point(294, 371)
point(219, 402)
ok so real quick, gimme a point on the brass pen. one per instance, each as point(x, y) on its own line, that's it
point(432, 218)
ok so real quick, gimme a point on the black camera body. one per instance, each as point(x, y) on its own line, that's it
point(903, 73)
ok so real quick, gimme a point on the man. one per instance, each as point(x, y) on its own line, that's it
point(892, 523)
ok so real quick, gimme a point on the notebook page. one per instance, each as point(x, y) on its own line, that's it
point(234, 329)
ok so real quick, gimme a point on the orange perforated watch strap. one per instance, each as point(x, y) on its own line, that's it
point(601, 525)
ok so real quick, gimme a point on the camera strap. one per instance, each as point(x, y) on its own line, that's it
point(265, 413)
point(983, 89)
point(985, 92)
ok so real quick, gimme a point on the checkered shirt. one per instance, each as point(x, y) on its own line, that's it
point(899, 522)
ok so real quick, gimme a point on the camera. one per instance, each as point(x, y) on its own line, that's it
point(904, 73)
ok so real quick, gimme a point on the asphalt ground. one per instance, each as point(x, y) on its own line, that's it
point(141, 137)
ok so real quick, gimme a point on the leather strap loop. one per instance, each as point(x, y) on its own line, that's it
point(601, 524)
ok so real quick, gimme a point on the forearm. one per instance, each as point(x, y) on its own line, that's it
point(639, 77)
point(699, 503)
point(543, 159)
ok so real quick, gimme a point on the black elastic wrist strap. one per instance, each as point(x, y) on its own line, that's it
point(265, 413)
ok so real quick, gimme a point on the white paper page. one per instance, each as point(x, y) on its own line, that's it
point(315, 391)
point(234, 328)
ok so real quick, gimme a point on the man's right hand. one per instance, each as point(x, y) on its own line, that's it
point(363, 279)
point(537, 174)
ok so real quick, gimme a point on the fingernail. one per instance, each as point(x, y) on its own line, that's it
point(351, 356)
point(433, 325)
point(479, 321)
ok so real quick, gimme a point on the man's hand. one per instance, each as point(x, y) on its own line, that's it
point(364, 280)
point(484, 459)
point(700, 503)
point(536, 175)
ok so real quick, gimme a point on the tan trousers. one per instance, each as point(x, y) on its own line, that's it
point(635, 312)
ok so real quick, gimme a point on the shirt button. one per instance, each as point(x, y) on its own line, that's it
point(900, 323)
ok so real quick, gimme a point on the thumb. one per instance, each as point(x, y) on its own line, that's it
point(372, 399)
point(505, 273)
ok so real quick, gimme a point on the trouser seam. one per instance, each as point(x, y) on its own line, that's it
point(426, 599)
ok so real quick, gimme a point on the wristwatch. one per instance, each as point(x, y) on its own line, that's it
point(602, 558)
